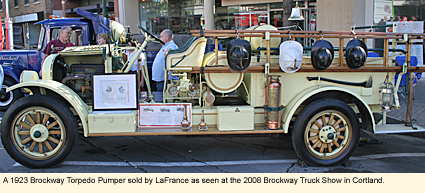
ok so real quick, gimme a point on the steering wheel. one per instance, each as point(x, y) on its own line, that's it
point(150, 34)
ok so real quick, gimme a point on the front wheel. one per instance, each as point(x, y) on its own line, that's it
point(39, 131)
point(326, 133)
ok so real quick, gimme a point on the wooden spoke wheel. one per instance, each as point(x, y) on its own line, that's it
point(326, 132)
point(39, 131)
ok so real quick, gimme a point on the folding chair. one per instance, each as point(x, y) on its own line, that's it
point(403, 86)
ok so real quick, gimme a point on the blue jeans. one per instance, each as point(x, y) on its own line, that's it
point(159, 90)
point(160, 86)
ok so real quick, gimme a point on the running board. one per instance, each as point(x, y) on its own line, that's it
point(397, 128)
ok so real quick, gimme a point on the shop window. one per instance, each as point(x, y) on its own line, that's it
point(16, 3)
point(27, 1)
point(1, 5)
point(178, 16)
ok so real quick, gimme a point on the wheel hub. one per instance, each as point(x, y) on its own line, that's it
point(6, 97)
point(39, 133)
point(327, 134)
point(2, 94)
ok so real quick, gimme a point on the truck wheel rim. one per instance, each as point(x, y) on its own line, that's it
point(8, 98)
point(328, 134)
point(38, 133)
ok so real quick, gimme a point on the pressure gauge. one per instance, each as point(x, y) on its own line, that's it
point(193, 90)
point(173, 91)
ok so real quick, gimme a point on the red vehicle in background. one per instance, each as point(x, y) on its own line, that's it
point(244, 20)
point(1, 35)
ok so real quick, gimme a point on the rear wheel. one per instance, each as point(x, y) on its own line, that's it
point(326, 133)
point(39, 131)
point(10, 97)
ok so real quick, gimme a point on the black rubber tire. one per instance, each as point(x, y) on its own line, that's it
point(10, 97)
point(62, 142)
point(308, 138)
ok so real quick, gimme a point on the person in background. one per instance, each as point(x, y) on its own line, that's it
point(158, 65)
point(139, 62)
point(404, 19)
point(379, 43)
point(102, 38)
point(57, 45)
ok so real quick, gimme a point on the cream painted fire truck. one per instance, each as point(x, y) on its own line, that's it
point(265, 83)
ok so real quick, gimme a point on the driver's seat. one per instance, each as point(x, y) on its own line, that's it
point(189, 55)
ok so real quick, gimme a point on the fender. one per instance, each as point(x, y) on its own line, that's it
point(304, 95)
point(69, 95)
point(47, 67)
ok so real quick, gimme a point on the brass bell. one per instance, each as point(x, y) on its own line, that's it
point(296, 13)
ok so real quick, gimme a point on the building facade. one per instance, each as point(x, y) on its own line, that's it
point(25, 13)
point(181, 16)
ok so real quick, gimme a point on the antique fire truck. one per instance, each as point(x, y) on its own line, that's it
point(264, 83)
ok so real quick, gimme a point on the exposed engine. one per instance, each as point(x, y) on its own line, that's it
point(79, 78)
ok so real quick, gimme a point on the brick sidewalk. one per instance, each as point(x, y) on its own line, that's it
point(418, 113)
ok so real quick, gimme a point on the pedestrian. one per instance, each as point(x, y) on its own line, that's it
point(158, 66)
point(404, 19)
point(379, 43)
point(102, 38)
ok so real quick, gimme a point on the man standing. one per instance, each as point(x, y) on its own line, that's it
point(57, 45)
point(158, 65)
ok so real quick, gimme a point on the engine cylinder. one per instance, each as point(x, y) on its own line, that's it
point(273, 105)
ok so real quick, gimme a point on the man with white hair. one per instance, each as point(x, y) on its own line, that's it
point(57, 45)
point(158, 65)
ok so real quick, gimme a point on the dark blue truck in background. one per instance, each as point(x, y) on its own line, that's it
point(16, 61)
point(13, 63)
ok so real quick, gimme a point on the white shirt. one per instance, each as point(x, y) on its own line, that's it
point(159, 62)
point(131, 56)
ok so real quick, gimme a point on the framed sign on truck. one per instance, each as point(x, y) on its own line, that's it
point(163, 115)
point(114, 91)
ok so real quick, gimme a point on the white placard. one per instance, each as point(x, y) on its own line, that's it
point(163, 115)
point(406, 27)
point(382, 8)
point(114, 91)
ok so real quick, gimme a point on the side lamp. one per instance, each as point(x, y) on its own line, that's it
point(387, 95)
